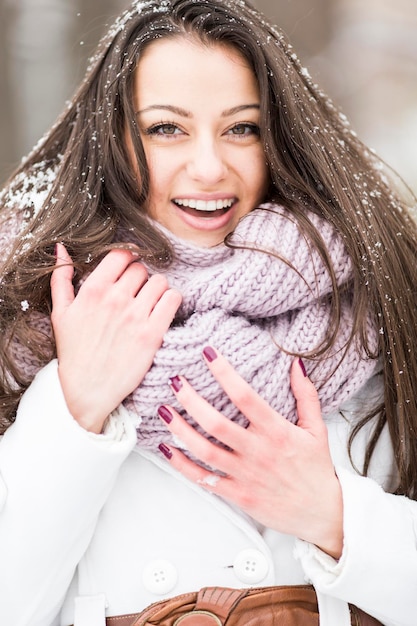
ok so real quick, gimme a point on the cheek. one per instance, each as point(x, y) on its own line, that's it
point(162, 184)
point(257, 174)
point(160, 171)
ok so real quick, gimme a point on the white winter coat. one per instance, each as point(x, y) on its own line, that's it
point(91, 522)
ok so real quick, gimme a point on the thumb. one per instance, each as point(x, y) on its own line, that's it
point(307, 399)
point(62, 289)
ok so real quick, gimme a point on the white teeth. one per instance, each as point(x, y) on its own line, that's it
point(203, 205)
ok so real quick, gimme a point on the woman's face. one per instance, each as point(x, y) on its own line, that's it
point(198, 115)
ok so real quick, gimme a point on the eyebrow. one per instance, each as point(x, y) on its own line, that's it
point(184, 113)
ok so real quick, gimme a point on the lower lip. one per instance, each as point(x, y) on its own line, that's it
point(206, 222)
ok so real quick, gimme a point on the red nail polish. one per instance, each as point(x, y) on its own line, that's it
point(176, 383)
point(165, 414)
point(209, 353)
point(303, 369)
point(165, 451)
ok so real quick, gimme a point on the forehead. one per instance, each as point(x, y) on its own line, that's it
point(183, 65)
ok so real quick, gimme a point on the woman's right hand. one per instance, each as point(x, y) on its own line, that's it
point(107, 335)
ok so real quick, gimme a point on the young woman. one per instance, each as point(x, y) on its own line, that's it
point(210, 221)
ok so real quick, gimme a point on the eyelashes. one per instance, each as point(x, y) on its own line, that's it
point(163, 128)
point(244, 128)
point(170, 129)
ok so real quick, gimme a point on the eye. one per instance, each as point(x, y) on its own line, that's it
point(244, 129)
point(162, 129)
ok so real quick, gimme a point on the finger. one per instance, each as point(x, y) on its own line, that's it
point(212, 422)
point(111, 268)
point(133, 278)
point(307, 399)
point(197, 474)
point(201, 448)
point(157, 297)
point(62, 289)
point(222, 485)
point(243, 396)
point(165, 308)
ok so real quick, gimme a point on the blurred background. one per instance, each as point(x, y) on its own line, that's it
point(363, 53)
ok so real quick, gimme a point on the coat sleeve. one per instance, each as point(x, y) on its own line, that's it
point(378, 568)
point(54, 479)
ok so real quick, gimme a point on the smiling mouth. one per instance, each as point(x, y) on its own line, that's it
point(204, 208)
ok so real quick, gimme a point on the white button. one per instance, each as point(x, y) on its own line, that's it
point(159, 577)
point(251, 566)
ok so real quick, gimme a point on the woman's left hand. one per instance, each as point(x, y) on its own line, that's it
point(279, 473)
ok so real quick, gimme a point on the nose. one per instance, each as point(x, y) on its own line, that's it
point(206, 163)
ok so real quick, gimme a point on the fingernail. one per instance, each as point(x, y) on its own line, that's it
point(176, 383)
point(56, 250)
point(165, 414)
point(209, 353)
point(165, 451)
point(303, 368)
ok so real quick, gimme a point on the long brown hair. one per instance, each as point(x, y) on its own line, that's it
point(314, 158)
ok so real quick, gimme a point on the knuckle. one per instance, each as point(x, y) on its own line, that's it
point(159, 282)
point(242, 395)
point(140, 269)
point(246, 500)
point(277, 439)
point(144, 337)
point(129, 320)
point(209, 453)
point(219, 429)
point(92, 290)
point(172, 297)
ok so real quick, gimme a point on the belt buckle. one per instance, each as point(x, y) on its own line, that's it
point(198, 618)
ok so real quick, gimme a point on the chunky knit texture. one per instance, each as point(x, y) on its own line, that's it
point(254, 308)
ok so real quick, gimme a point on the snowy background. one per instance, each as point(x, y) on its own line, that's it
point(362, 52)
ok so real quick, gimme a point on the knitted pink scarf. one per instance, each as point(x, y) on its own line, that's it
point(248, 304)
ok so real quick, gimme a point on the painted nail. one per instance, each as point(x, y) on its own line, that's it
point(209, 353)
point(56, 250)
point(303, 368)
point(165, 414)
point(176, 383)
point(165, 451)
